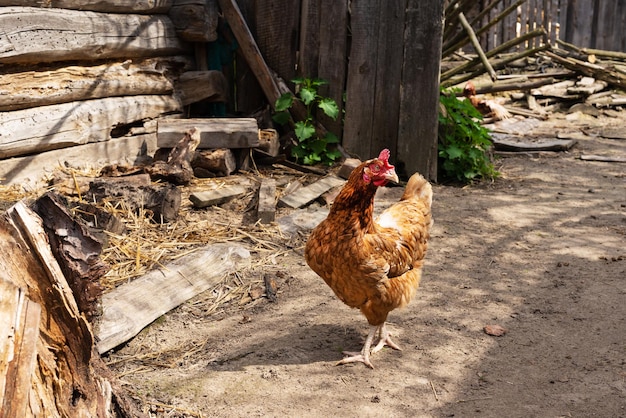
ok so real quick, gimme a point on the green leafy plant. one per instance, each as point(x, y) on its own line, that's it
point(463, 142)
point(310, 148)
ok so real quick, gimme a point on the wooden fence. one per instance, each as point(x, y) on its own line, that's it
point(597, 24)
point(384, 55)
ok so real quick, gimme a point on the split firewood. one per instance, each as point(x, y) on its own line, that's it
point(266, 209)
point(269, 141)
point(76, 250)
point(220, 162)
point(177, 169)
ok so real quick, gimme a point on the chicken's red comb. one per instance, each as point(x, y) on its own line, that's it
point(384, 155)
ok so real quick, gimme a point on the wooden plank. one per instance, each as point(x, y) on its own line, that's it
point(307, 194)
point(277, 23)
point(111, 6)
point(216, 196)
point(250, 50)
point(310, 33)
point(419, 99)
point(19, 333)
point(333, 53)
point(360, 94)
point(388, 80)
point(22, 90)
point(59, 126)
point(266, 209)
point(35, 35)
point(603, 158)
point(214, 133)
point(127, 309)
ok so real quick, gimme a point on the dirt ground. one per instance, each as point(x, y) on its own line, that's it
point(541, 252)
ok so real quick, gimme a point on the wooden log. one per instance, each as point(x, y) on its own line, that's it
point(36, 35)
point(130, 307)
point(221, 162)
point(22, 90)
point(195, 20)
point(162, 203)
point(32, 170)
point(194, 86)
point(63, 381)
point(19, 333)
point(59, 126)
point(214, 133)
point(76, 250)
point(266, 208)
point(307, 194)
point(111, 6)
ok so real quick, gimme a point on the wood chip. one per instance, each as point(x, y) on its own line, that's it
point(495, 330)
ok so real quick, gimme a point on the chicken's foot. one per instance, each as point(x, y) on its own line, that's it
point(364, 355)
point(385, 339)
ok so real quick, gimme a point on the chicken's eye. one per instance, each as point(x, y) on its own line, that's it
point(375, 168)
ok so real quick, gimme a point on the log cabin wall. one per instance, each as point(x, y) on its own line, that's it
point(85, 80)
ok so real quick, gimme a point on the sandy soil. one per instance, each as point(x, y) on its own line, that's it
point(540, 251)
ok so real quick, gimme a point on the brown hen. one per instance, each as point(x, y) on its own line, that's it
point(375, 266)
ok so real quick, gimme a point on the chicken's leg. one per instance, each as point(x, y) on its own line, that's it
point(364, 355)
point(385, 339)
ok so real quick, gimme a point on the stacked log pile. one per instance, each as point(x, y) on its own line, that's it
point(76, 73)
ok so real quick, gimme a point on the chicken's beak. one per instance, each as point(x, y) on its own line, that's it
point(392, 176)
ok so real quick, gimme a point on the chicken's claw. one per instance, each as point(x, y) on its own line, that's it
point(385, 340)
point(355, 357)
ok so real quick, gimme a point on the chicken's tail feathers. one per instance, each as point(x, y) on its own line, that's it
point(418, 187)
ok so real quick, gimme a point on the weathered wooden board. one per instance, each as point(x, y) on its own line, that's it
point(113, 6)
point(22, 90)
point(58, 126)
point(130, 307)
point(217, 196)
point(305, 195)
point(419, 91)
point(214, 133)
point(19, 333)
point(36, 35)
point(266, 209)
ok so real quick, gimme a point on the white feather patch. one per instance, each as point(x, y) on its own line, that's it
point(386, 220)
